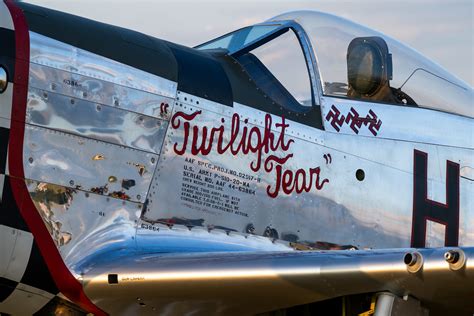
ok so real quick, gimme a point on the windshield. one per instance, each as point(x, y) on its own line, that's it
point(411, 77)
point(240, 38)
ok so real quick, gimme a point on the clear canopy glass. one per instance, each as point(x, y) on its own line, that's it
point(428, 84)
point(240, 38)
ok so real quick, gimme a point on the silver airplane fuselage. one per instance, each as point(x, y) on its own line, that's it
point(110, 161)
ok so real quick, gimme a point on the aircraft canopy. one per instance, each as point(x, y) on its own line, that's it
point(353, 61)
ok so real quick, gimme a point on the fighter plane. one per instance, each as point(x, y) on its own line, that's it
point(305, 165)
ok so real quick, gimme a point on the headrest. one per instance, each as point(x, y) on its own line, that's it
point(369, 64)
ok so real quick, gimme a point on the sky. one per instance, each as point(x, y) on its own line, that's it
point(441, 30)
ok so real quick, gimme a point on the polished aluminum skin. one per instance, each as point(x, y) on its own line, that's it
point(77, 102)
point(82, 163)
point(52, 53)
point(53, 80)
point(81, 224)
point(93, 120)
point(91, 148)
point(109, 165)
point(415, 122)
point(346, 212)
point(250, 283)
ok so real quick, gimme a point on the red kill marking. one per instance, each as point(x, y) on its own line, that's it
point(335, 118)
point(354, 120)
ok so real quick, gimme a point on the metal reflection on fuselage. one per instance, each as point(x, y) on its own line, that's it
point(115, 140)
point(95, 121)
